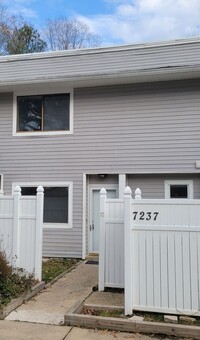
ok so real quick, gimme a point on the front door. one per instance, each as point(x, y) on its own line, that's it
point(95, 217)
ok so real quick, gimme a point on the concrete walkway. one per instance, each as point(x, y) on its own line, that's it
point(46, 311)
point(51, 304)
point(30, 331)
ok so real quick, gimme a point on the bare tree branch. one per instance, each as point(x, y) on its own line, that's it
point(65, 34)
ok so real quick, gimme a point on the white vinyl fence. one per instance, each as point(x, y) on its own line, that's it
point(21, 222)
point(152, 249)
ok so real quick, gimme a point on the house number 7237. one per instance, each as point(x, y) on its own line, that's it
point(145, 215)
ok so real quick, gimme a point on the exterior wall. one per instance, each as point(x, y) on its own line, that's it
point(109, 179)
point(153, 186)
point(151, 128)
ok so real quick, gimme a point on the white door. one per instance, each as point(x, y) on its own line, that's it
point(95, 217)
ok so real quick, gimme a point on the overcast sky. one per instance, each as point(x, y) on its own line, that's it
point(119, 21)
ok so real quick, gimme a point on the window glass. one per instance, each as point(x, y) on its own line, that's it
point(55, 203)
point(178, 191)
point(43, 113)
point(28, 191)
point(56, 112)
point(30, 113)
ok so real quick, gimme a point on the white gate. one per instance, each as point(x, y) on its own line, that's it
point(160, 245)
point(21, 223)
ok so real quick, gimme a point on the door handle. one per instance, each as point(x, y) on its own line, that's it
point(92, 226)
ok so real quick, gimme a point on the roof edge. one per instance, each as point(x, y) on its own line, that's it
point(98, 50)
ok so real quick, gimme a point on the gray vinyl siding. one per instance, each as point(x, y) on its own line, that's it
point(135, 129)
point(100, 182)
point(99, 62)
point(153, 186)
point(139, 128)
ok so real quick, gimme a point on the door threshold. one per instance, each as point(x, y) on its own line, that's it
point(92, 256)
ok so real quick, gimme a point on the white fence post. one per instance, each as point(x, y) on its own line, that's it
point(128, 285)
point(138, 194)
point(39, 233)
point(16, 237)
point(103, 197)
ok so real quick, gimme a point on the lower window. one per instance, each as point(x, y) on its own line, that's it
point(179, 189)
point(56, 204)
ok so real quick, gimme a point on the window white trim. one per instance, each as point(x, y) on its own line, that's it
point(40, 92)
point(189, 184)
point(68, 225)
point(84, 216)
point(1, 184)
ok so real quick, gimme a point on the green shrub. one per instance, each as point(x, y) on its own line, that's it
point(13, 283)
point(5, 268)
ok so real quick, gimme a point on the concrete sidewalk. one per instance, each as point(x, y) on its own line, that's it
point(46, 311)
point(10, 330)
point(50, 305)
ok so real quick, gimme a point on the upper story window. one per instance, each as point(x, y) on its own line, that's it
point(43, 114)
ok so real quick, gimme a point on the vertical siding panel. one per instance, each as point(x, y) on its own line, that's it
point(164, 268)
point(143, 269)
point(186, 270)
point(171, 271)
point(179, 271)
point(198, 267)
point(194, 278)
point(157, 269)
point(136, 276)
point(149, 277)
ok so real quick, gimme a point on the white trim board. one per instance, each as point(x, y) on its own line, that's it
point(84, 217)
point(68, 225)
point(1, 184)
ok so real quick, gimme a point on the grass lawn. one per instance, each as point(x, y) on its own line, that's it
point(14, 283)
point(55, 266)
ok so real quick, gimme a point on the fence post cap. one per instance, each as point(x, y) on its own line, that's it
point(103, 191)
point(138, 193)
point(128, 191)
point(40, 189)
point(17, 189)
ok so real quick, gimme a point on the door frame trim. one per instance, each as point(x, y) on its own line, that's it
point(91, 188)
